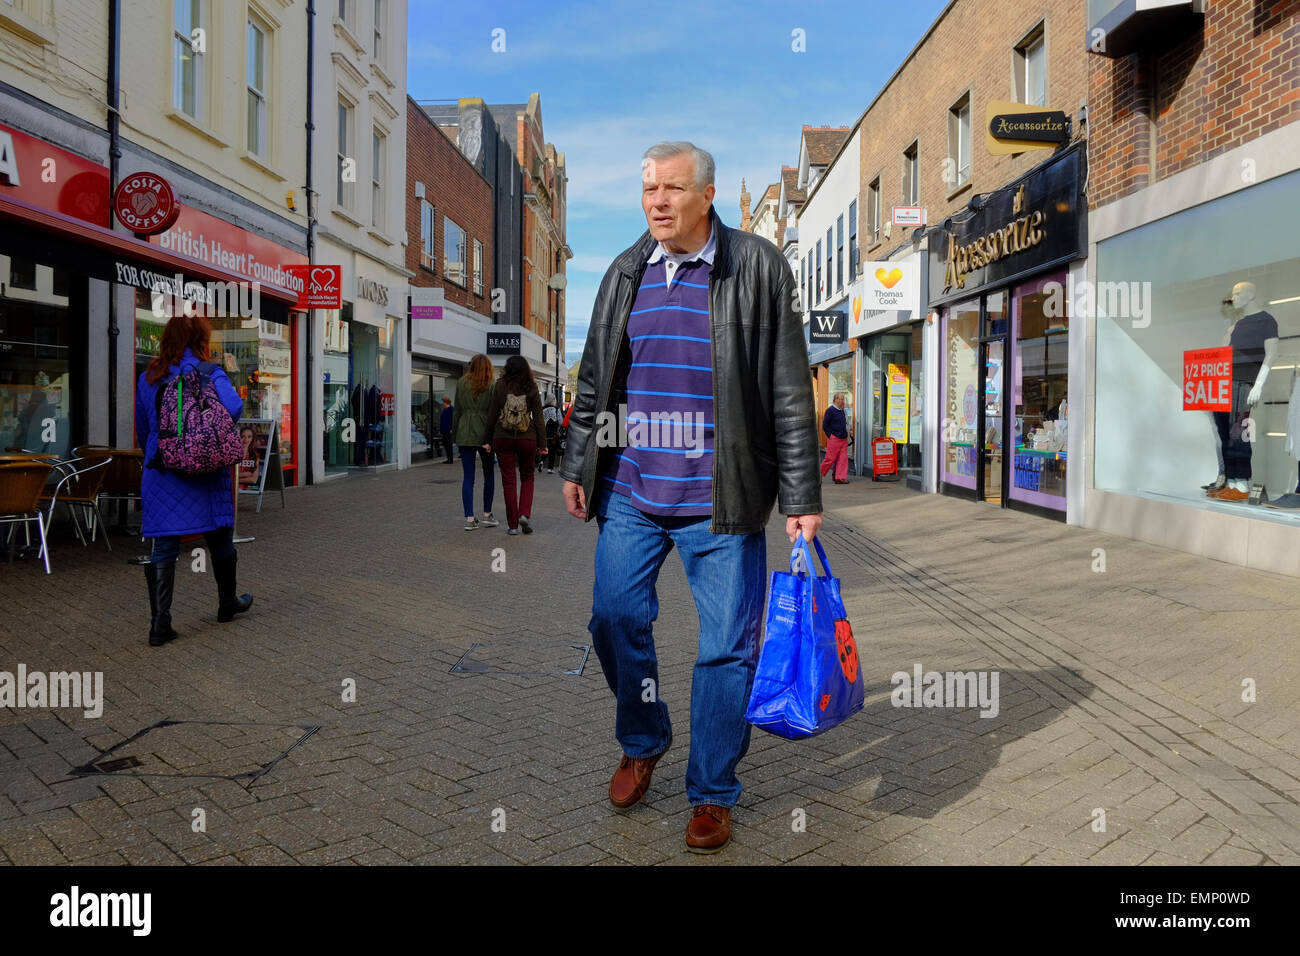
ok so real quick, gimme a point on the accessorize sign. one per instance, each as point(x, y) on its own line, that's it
point(1207, 379)
point(1016, 127)
point(321, 286)
point(146, 204)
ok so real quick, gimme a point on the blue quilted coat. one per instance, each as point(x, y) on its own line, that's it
point(176, 504)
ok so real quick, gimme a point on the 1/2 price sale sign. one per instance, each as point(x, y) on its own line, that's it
point(1207, 380)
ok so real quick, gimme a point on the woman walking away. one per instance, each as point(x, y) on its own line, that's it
point(518, 433)
point(177, 504)
point(469, 429)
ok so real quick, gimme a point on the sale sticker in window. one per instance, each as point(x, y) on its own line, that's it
point(1207, 380)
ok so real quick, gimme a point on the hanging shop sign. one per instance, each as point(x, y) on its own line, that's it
point(827, 327)
point(1015, 127)
point(146, 204)
point(1207, 379)
point(891, 286)
point(1032, 224)
point(908, 216)
point(318, 287)
point(426, 302)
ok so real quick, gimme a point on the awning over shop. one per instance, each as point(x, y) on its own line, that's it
point(81, 247)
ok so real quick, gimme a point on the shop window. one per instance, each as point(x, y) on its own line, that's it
point(959, 157)
point(187, 63)
point(258, 72)
point(22, 274)
point(959, 421)
point(839, 253)
point(853, 240)
point(36, 369)
point(1040, 387)
point(426, 234)
point(911, 186)
point(453, 252)
point(1197, 356)
point(1030, 58)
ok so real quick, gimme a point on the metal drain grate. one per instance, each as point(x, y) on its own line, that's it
point(198, 748)
point(531, 658)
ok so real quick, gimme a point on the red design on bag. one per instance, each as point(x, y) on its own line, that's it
point(848, 649)
point(826, 699)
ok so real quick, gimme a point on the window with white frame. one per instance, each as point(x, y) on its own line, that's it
point(911, 187)
point(830, 264)
point(377, 48)
point(478, 267)
point(818, 260)
point(187, 63)
point(426, 234)
point(853, 240)
point(873, 211)
point(258, 74)
point(1031, 67)
point(839, 253)
point(453, 252)
point(378, 157)
point(959, 162)
point(347, 163)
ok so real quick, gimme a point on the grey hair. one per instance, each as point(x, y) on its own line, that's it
point(704, 166)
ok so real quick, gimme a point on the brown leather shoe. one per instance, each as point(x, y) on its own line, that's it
point(709, 830)
point(632, 779)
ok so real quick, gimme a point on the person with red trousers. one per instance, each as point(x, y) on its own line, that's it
point(835, 425)
point(517, 436)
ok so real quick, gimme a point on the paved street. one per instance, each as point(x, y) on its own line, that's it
point(1120, 692)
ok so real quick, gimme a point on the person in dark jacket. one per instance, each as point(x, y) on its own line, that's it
point(835, 425)
point(469, 429)
point(444, 425)
point(517, 449)
point(694, 332)
point(176, 504)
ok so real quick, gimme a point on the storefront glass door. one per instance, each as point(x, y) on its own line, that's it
point(992, 390)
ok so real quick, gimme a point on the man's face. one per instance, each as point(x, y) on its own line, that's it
point(674, 205)
point(839, 403)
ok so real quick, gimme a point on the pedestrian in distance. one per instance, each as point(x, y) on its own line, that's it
point(518, 434)
point(445, 425)
point(469, 429)
point(175, 504)
point(835, 425)
point(695, 323)
point(552, 416)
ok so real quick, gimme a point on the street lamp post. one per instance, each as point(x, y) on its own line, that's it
point(557, 283)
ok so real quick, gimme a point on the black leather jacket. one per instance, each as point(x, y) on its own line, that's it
point(765, 423)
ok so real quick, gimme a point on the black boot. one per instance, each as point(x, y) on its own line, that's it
point(161, 581)
point(224, 569)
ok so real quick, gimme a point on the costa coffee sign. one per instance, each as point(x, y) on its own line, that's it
point(146, 204)
point(322, 286)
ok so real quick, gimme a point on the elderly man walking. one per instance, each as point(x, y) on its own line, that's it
point(835, 425)
point(696, 354)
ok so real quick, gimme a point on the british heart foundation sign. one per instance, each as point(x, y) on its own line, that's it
point(1207, 380)
point(322, 286)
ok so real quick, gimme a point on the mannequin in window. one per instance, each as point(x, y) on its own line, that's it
point(1254, 341)
point(1231, 314)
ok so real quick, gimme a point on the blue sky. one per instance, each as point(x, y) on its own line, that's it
point(616, 77)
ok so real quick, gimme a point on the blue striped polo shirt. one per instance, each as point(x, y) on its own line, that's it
point(666, 467)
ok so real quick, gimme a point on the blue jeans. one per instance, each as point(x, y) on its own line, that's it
point(467, 453)
point(726, 573)
point(220, 545)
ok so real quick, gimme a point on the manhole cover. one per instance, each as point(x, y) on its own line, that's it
point(197, 748)
point(528, 657)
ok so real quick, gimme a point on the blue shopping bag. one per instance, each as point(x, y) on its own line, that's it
point(808, 677)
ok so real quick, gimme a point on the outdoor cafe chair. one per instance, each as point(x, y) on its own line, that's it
point(125, 474)
point(79, 488)
point(21, 484)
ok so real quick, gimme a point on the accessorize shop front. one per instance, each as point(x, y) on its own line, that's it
point(1197, 395)
point(1001, 278)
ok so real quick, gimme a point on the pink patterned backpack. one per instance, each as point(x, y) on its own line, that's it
point(196, 434)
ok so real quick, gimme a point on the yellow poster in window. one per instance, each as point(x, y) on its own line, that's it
point(898, 412)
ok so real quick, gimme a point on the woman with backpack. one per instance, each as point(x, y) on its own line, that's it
point(469, 430)
point(175, 503)
point(518, 432)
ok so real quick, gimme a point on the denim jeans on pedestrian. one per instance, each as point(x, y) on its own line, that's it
point(726, 573)
point(467, 455)
point(220, 544)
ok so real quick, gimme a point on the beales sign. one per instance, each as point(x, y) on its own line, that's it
point(504, 343)
point(1033, 224)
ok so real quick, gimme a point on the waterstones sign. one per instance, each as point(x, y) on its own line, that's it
point(1034, 223)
